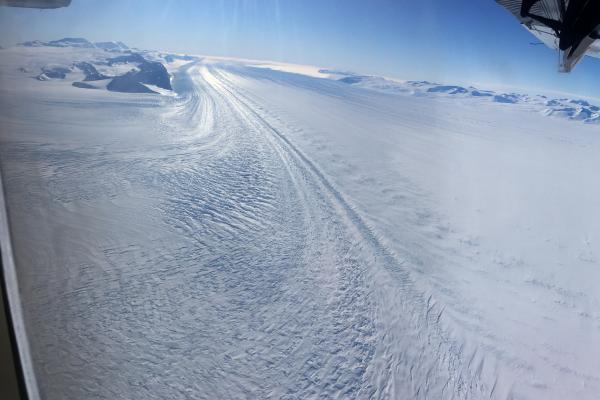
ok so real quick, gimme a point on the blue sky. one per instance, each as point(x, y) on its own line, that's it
point(458, 41)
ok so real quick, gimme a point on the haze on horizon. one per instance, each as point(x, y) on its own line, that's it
point(463, 42)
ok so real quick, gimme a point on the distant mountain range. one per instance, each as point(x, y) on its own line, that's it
point(574, 109)
point(140, 71)
point(134, 71)
point(76, 42)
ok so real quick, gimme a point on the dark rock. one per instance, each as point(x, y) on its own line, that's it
point(83, 85)
point(150, 72)
point(506, 98)
point(53, 73)
point(351, 80)
point(448, 89)
point(91, 73)
point(154, 73)
point(580, 102)
point(128, 58)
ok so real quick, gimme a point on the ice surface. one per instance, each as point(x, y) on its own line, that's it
point(271, 234)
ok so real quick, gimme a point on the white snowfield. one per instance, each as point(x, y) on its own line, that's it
point(263, 234)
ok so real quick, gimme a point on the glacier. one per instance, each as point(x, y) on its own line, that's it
point(263, 230)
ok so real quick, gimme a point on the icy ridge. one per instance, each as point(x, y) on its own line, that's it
point(572, 109)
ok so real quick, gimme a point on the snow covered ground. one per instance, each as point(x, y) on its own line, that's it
point(265, 233)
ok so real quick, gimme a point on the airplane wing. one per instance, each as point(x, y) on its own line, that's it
point(35, 3)
point(572, 27)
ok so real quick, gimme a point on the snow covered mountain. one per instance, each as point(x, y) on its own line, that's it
point(137, 72)
point(111, 45)
point(574, 109)
point(65, 42)
point(105, 65)
point(76, 42)
point(263, 230)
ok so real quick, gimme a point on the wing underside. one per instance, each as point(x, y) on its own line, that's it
point(42, 4)
point(572, 27)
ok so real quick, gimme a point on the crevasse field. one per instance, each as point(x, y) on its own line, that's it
point(276, 231)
